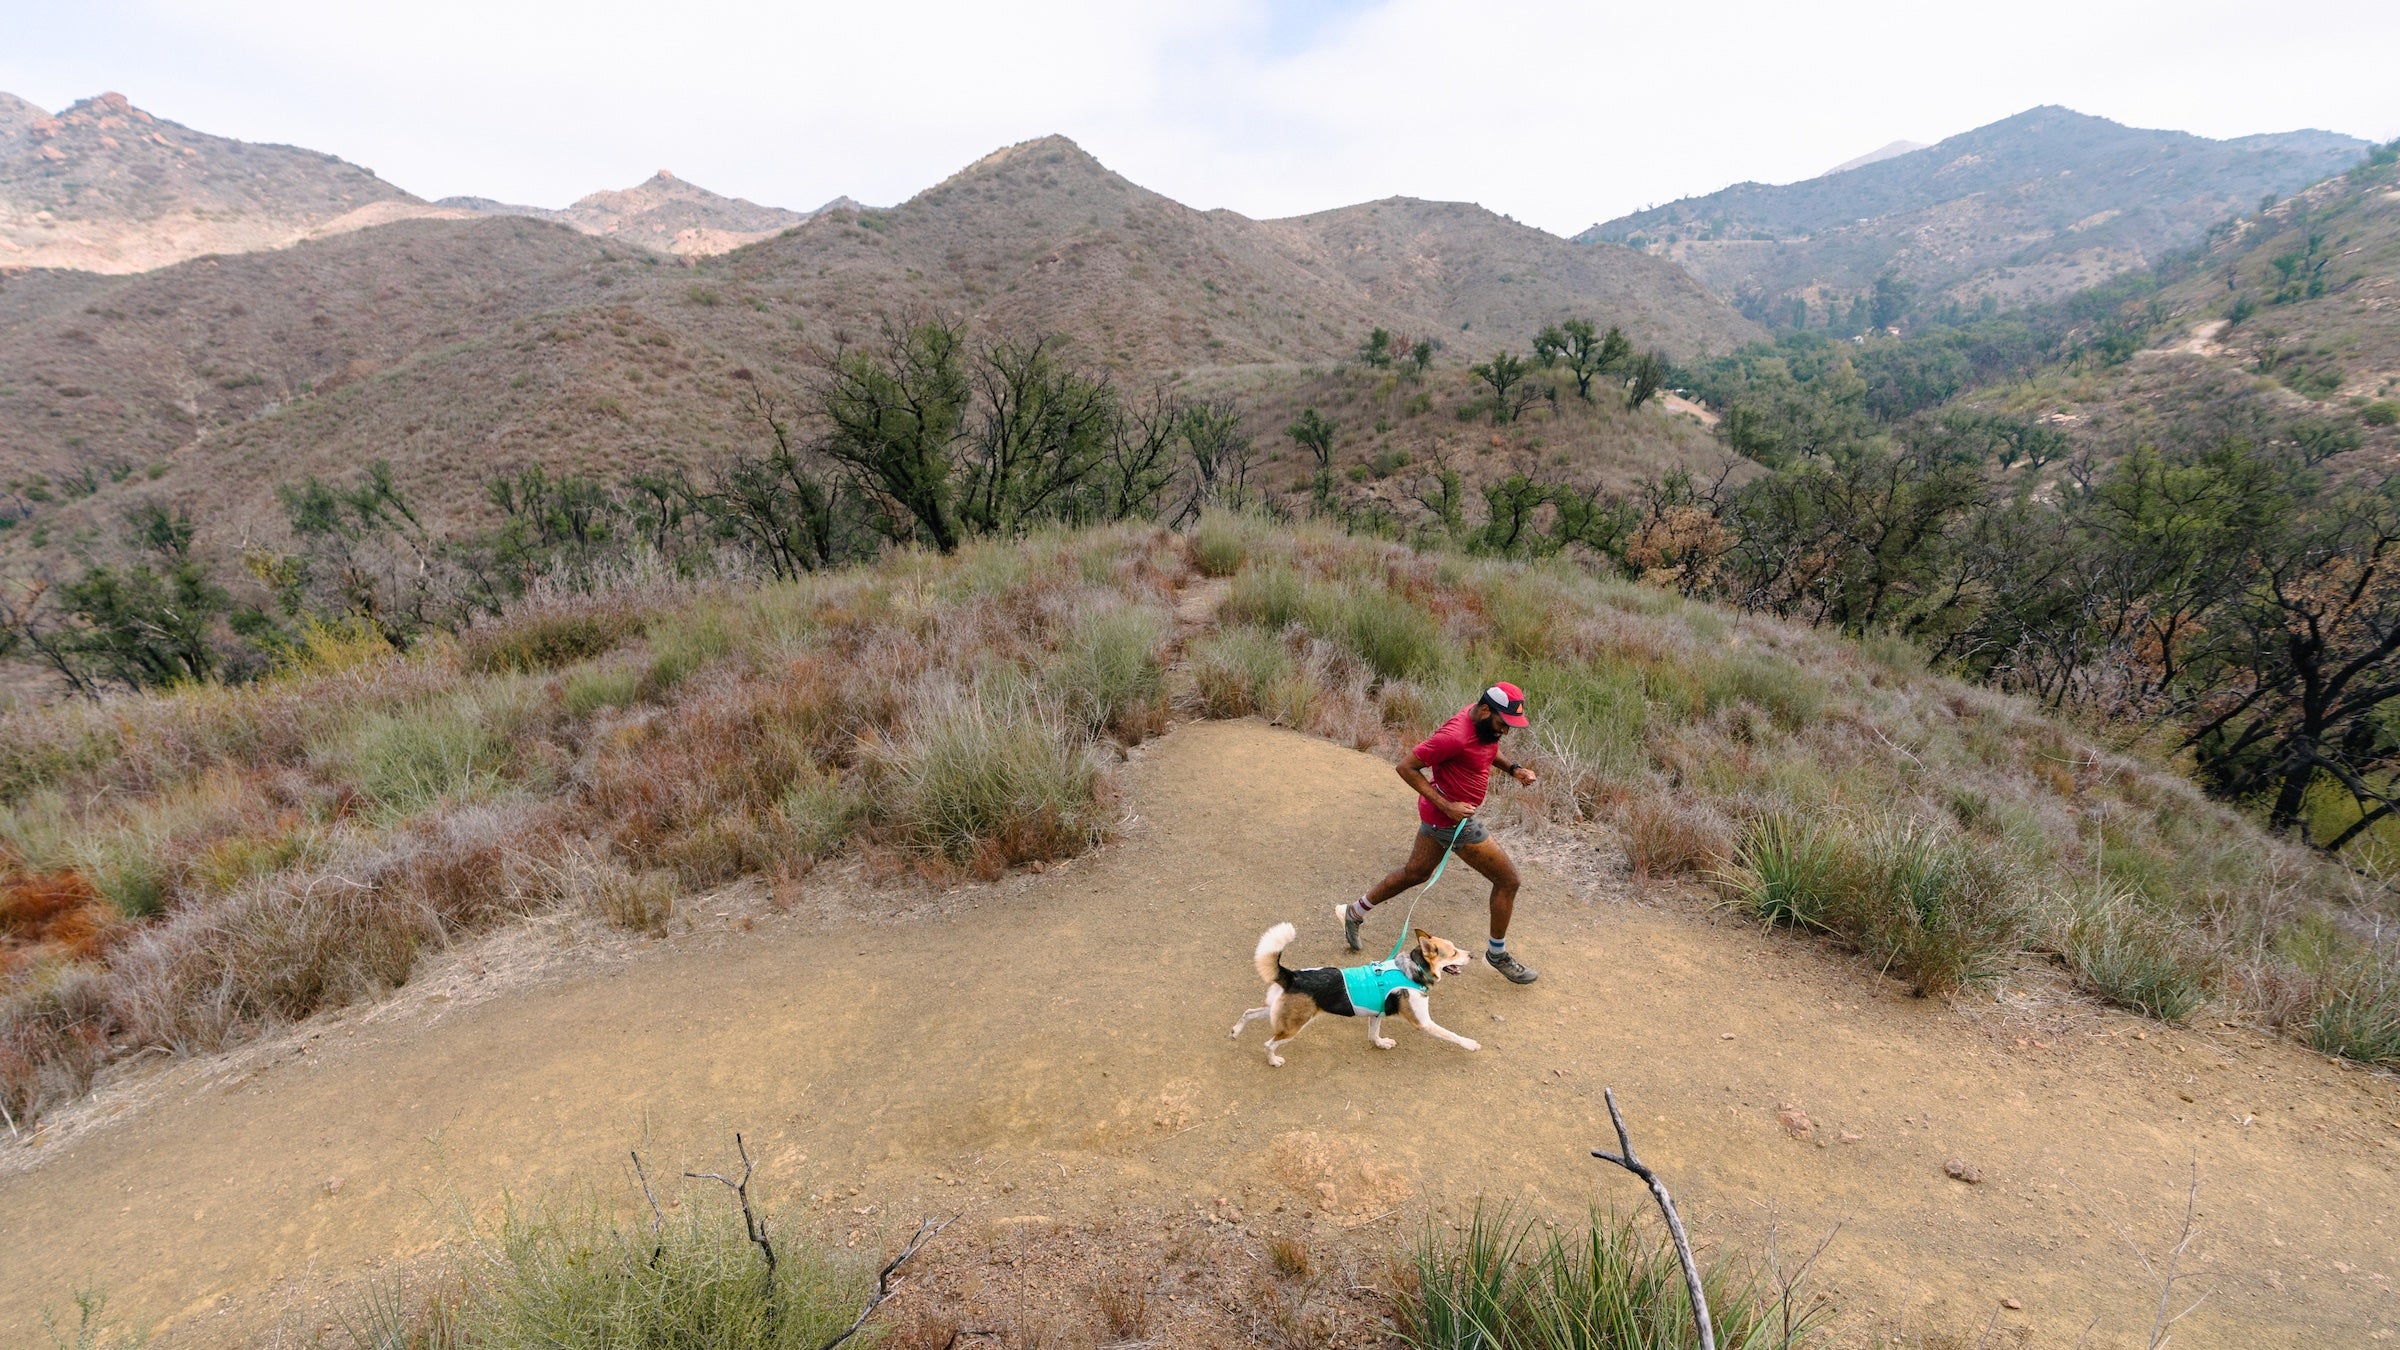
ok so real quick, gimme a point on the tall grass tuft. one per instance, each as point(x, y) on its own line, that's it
point(1925, 903)
point(1220, 545)
point(2360, 1016)
point(1235, 670)
point(1111, 671)
point(2129, 958)
point(996, 781)
point(1393, 636)
point(1269, 597)
point(1930, 906)
point(1667, 838)
point(1505, 1283)
point(1788, 869)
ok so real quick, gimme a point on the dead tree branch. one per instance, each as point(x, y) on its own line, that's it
point(2159, 1326)
point(926, 1228)
point(658, 1217)
point(751, 1223)
point(1666, 1206)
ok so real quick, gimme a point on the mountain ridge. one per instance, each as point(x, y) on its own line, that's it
point(457, 348)
point(2032, 206)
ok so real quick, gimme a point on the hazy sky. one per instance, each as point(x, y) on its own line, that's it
point(1559, 114)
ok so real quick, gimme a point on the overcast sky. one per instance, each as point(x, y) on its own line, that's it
point(1559, 114)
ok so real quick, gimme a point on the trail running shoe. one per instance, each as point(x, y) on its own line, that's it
point(1350, 923)
point(1516, 971)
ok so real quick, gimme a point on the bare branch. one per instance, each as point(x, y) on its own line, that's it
point(752, 1224)
point(1666, 1206)
point(926, 1228)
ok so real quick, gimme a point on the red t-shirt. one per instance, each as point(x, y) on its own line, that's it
point(1461, 762)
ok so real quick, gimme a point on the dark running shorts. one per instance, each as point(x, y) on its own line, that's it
point(1468, 831)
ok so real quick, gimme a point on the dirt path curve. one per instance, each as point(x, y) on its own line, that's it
point(1057, 1045)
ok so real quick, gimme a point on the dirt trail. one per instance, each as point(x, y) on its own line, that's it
point(1056, 1046)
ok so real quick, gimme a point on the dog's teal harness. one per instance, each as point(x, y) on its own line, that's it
point(1375, 989)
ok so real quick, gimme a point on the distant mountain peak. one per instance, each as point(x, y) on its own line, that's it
point(104, 186)
point(1892, 150)
point(2039, 203)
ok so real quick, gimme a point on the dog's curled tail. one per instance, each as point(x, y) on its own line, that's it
point(1269, 955)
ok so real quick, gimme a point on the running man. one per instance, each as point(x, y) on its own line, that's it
point(1461, 756)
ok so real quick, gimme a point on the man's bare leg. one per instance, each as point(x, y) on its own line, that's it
point(1421, 860)
point(1499, 869)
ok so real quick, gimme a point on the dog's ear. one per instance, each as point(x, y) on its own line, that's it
point(1422, 935)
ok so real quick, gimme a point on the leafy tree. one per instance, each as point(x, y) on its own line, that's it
point(1377, 350)
point(1889, 301)
point(895, 412)
point(1420, 355)
point(2299, 687)
point(1219, 453)
point(1314, 433)
point(1505, 374)
point(1647, 376)
point(1040, 433)
point(1587, 355)
point(364, 553)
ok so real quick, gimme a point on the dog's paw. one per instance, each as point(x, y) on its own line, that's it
point(1385, 1043)
point(1275, 1061)
point(1470, 1045)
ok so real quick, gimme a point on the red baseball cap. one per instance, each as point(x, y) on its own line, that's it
point(1508, 701)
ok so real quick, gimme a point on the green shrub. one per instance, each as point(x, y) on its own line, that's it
point(995, 785)
point(1110, 675)
point(2125, 956)
point(1394, 637)
point(821, 814)
point(1505, 1283)
point(1268, 597)
point(1219, 546)
point(1233, 671)
point(406, 760)
point(1793, 697)
point(2381, 413)
point(547, 641)
point(682, 645)
point(2359, 1017)
point(600, 687)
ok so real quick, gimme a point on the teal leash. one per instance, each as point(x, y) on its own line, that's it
point(1455, 827)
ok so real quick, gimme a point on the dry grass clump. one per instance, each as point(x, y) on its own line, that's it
point(218, 861)
point(1665, 838)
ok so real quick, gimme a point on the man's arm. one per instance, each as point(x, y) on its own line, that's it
point(1412, 772)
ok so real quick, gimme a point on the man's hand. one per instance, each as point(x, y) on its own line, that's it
point(1526, 776)
point(1454, 810)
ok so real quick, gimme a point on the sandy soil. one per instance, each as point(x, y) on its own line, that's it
point(1049, 1056)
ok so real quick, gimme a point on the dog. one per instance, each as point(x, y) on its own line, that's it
point(1295, 997)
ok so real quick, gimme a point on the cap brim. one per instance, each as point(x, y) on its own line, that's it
point(1516, 719)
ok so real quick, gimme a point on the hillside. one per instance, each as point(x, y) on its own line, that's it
point(106, 187)
point(646, 867)
point(663, 213)
point(2028, 208)
point(2292, 318)
point(498, 343)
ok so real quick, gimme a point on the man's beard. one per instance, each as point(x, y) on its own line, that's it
point(1488, 732)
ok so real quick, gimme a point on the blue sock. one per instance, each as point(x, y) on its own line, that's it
point(1495, 946)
